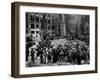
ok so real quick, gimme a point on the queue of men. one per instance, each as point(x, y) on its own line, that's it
point(73, 53)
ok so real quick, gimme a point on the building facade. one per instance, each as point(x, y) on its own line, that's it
point(56, 25)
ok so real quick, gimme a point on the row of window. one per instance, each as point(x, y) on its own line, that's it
point(34, 19)
point(33, 32)
point(33, 26)
point(37, 19)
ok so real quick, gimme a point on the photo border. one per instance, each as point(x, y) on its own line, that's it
point(15, 38)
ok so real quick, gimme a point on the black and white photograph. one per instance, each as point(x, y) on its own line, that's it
point(54, 39)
